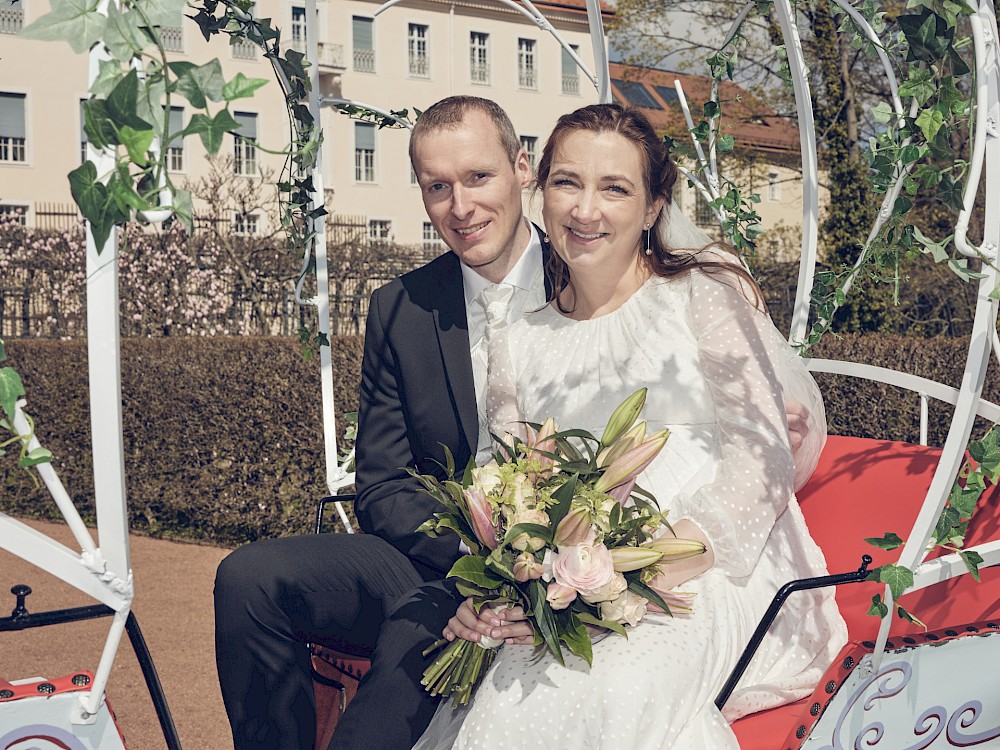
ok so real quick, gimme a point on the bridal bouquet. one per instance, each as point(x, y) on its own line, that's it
point(557, 525)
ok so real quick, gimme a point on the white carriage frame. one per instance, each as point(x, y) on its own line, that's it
point(103, 570)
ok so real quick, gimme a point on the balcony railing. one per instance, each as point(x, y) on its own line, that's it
point(330, 55)
point(526, 79)
point(420, 66)
point(570, 84)
point(244, 50)
point(172, 38)
point(364, 60)
point(11, 20)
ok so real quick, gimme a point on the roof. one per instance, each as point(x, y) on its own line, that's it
point(573, 5)
point(752, 123)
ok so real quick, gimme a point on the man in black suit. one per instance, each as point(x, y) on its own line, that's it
point(422, 375)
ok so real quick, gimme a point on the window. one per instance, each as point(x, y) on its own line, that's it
point(413, 176)
point(526, 77)
point(172, 38)
point(84, 140)
point(245, 144)
point(668, 94)
point(245, 224)
point(241, 48)
point(11, 17)
point(12, 128)
point(530, 145)
point(13, 213)
point(299, 28)
point(479, 57)
point(364, 152)
point(417, 40)
point(570, 72)
point(379, 230)
point(431, 239)
point(636, 93)
point(175, 149)
point(364, 49)
point(773, 187)
point(704, 214)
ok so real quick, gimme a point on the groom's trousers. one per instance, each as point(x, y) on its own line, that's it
point(274, 596)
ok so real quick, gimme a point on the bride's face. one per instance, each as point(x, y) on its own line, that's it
point(595, 203)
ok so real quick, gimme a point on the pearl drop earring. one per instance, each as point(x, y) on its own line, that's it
point(649, 250)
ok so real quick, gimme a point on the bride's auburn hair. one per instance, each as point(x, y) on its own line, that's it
point(659, 174)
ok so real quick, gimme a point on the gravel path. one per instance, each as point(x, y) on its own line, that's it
point(173, 604)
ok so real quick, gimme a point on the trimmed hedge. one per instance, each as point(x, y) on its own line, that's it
point(223, 436)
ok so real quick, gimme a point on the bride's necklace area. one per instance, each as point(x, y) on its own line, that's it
point(601, 302)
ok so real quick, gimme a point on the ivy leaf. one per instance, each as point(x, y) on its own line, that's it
point(73, 21)
point(212, 129)
point(700, 131)
point(949, 94)
point(972, 561)
point(878, 607)
point(199, 84)
point(92, 198)
point(920, 84)
point(137, 143)
point(958, 65)
point(162, 12)
point(927, 35)
point(109, 73)
point(986, 452)
point(122, 35)
point(905, 614)
point(891, 540)
point(937, 250)
point(125, 197)
point(950, 192)
point(39, 455)
point(960, 266)
point(184, 209)
point(101, 131)
point(901, 206)
point(896, 577)
point(883, 113)
point(725, 144)
point(11, 389)
point(930, 122)
point(241, 87)
point(711, 109)
point(3, 351)
point(122, 101)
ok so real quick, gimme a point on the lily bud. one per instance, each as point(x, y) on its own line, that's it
point(559, 596)
point(675, 549)
point(632, 462)
point(633, 558)
point(527, 568)
point(574, 528)
point(622, 492)
point(481, 513)
point(630, 439)
point(624, 417)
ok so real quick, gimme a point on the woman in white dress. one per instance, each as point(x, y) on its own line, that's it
point(690, 325)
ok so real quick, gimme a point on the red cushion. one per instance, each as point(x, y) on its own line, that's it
point(865, 488)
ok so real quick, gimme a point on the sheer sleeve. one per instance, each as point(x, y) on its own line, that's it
point(739, 356)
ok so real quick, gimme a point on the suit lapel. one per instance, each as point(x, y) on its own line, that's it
point(453, 337)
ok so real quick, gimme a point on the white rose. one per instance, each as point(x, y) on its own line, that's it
point(487, 477)
point(585, 567)
point(609, 591)
point(628, 608)
point(524, 542)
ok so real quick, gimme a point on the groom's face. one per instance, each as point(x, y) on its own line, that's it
point(472, 193)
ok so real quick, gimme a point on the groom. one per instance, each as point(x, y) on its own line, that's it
point(423, 376)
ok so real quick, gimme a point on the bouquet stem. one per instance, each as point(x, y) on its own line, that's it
point(457, 670)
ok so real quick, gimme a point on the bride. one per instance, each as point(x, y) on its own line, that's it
point(633, 309)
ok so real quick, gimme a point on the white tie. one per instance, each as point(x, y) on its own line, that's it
point(502, 415)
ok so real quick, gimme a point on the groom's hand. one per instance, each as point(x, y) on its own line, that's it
point(508, 625)
point(798, 424)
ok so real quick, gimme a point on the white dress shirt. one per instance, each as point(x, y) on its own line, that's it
point(528, 279)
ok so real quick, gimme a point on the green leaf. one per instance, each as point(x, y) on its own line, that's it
point(184, 209)
point(11, 389)
point(199, 84)
point(712, 109)
point(904, 614)
point(964, 501)
point(972, 561)
point(137, 143)
point(927, 35)
point(472, 568)
point(163, 12)
point(896, 577)
point(937, 250)
point(901, 206)
point(122, 102)
point(212, 129)
point(949, 191)
point(878, 607)
point(3, 351)
point(948, 93)
point(93, 200)
point(563, 497)
point(961, 268)
point(73, 21)
point(109, 73)
point(930, 121)
point(531, 529)
point(725, 144)
point(920, 84)
point(589, 619)
point(122, 35)
point(241, 87)
point(544, 619)
point(101, 131)
point(38, 456)
point(891, 540)
point(576, 638)
point(883, 113)
point(637, 586)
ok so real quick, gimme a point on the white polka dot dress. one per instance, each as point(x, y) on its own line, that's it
point(718, 374)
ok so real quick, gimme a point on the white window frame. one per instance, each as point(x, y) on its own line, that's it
point(7, 209)
point(384, 227)
point(414, 53)
point(530, 145)
point(527, 63)
point(298, 27)
point(11, 146)
point(773, 186)
point(370, 65)
point(246, 225)
point(176, 161)
point(245, 150)
point(570, 82)
point(430, 238)
point(366, 160)
point(479, 58)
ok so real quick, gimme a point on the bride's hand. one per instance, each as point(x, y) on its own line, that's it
point(508, 625)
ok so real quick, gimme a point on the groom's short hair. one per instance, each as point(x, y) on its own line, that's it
point(450, 113)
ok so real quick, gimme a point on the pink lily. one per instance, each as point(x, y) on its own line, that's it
point(559, 596)
point(574, 528)
point(622, 492)
point(631, 463)
point(481, 513)
point(542, 441)
point(630, 439)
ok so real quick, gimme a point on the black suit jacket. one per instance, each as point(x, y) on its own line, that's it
point(417, 394)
